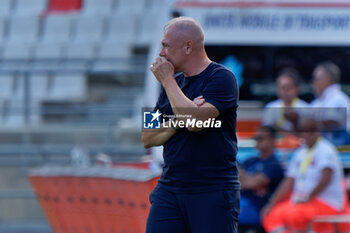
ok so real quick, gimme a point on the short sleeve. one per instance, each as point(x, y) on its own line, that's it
point(327, 159)
point(333, 110)
point(221, 90)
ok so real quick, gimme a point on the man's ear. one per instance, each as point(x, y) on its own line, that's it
point(189, 46)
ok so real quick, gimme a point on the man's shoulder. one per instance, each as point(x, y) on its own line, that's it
point(220, 75)
point(337, 99)
point(342, 98)
point(220, 69)
point(325, 147)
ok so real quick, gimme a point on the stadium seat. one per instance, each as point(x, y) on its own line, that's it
point(23, 29)
point(68, 87)
point(116, 66)
point(38, 86)
point(17, 51)
point(46, 66)
point(121, 28)
point(147, 30)
point(48, 51)
point(81, 51)
point(18, 88)
point(75, 65)
point(134, 6)
point(32, 7)
point(89, 29)
point(113, 57)
point(79, 55)
point(64, 5)
point(14, 114)
point(15, 57)
point(57, 28)
point(102, 7)
point(6, 7)
point(41, 37)
point(107, 67)
point(6, 85)
point(35, 112)
point(110, 50)
point(47, 56)
point(3, 22)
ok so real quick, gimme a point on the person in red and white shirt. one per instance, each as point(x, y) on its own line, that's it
point(312, 187)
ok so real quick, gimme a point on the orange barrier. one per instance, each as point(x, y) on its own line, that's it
point(45, 196)
point(288, 141)
point(94, 200)
point(247, 128)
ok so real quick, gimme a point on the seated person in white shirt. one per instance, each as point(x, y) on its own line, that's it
point(314, 179)
point(332, 106)
point(281, 113)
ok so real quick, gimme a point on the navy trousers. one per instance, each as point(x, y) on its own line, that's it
point(210, 212)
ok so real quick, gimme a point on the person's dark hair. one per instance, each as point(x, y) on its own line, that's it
point(293, 74)
point(272, 132)
point(332, 70)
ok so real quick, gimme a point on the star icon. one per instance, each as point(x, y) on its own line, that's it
point(155, 115)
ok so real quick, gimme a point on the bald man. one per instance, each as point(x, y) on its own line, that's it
point(198, 191)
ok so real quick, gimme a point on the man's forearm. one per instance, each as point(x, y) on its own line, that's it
point(157, 137)
point(180, 103)
point(323, 183)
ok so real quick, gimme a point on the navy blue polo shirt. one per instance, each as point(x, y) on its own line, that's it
point(206, 160)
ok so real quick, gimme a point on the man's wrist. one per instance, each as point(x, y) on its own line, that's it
point(168, 82)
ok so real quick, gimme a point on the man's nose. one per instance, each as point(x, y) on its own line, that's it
point(162, 53)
